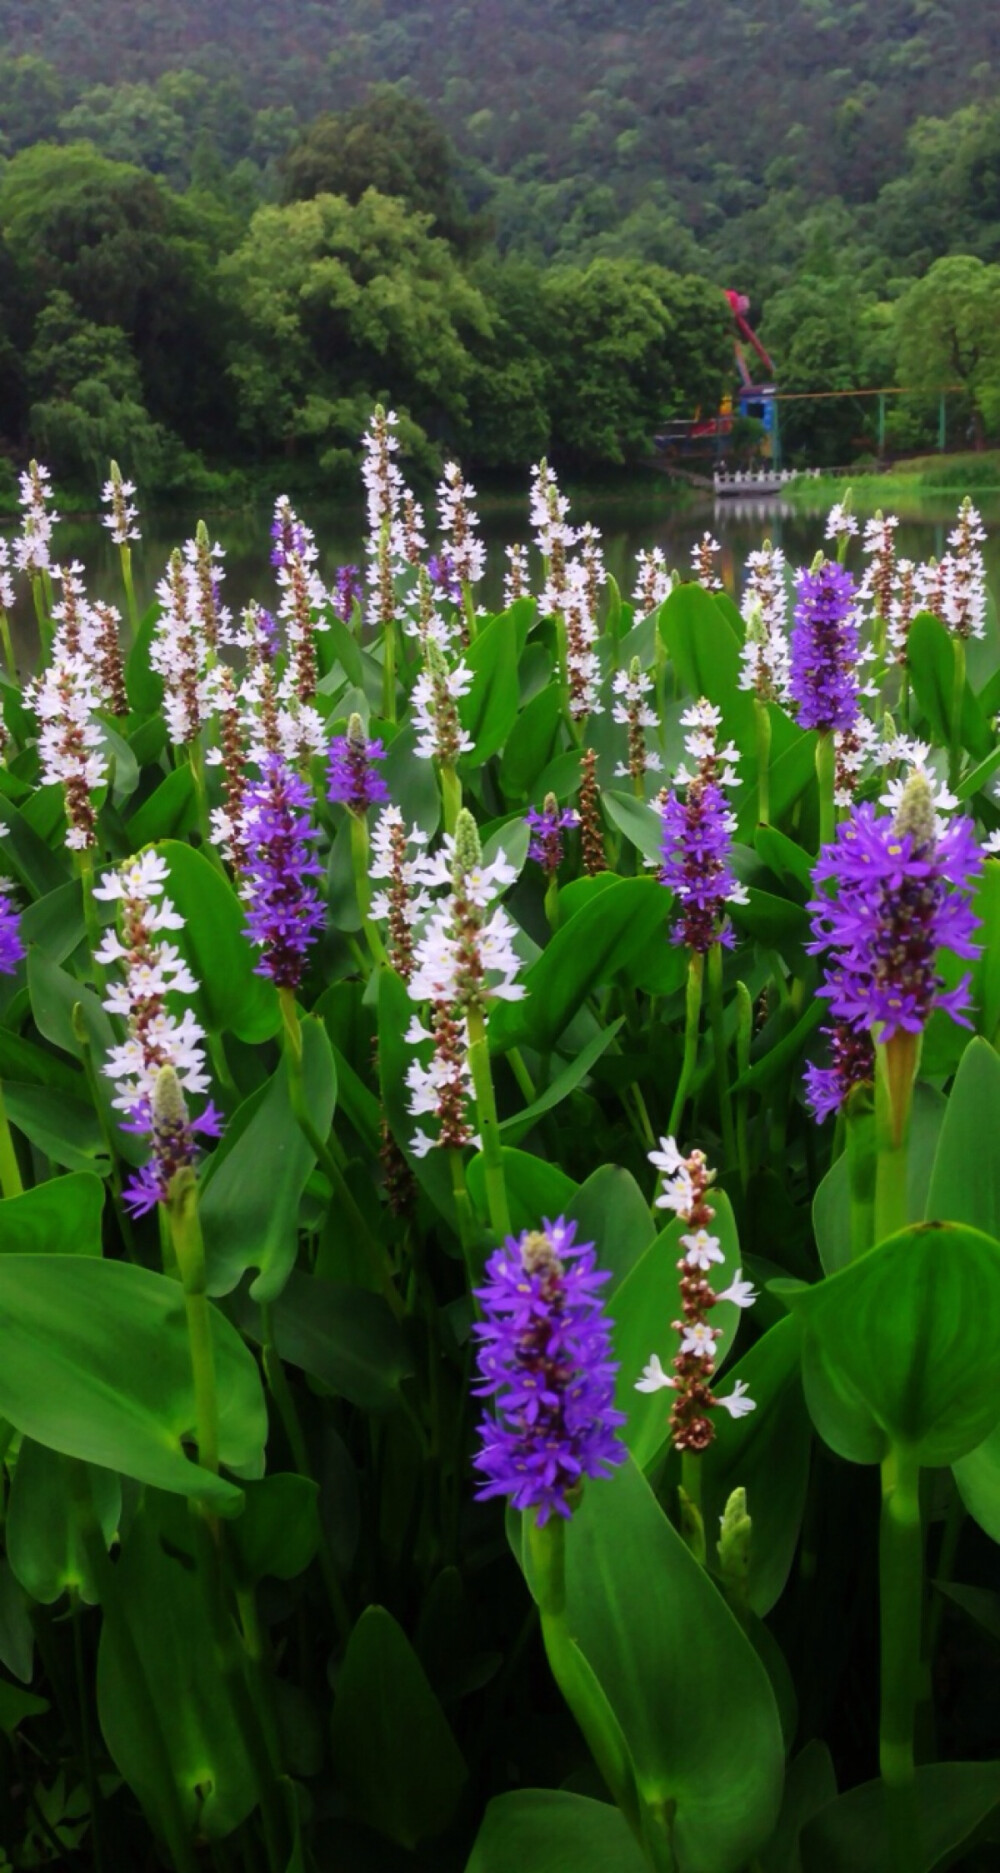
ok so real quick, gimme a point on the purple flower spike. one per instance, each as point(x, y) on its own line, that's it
point(442, 574)
point(824, 649)
point(351, 779)
point(288, 535)
point(902, 891)
point(11, 946)
point(175, 1142)
point(548, 827)
point(347, 587)
point(852, 1062)
point(545, 1356)
point(283, 909)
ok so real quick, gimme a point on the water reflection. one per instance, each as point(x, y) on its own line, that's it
point(628, 523)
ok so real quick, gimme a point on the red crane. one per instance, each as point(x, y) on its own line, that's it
point(739, 305)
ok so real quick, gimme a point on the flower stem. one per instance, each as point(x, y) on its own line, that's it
point(133, 614)
point(467, 1231)
point(744, 1036)
point(763, 722)
point(10, 1175)
point(692, 1020)
point(578, 1684)
point(862, 1176)
point(900, 1595)
point(185, 1232)
point(8, 645)
point(826, 775)
point(41, 616)
point(85, 868)
point(957, 701)
point(362, 884)
point(716, 1016)
point(451, 794)
point(482, 1082)
point(689, 1494)
point(895, 1072)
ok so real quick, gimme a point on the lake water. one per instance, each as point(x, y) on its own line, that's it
point(627, 523)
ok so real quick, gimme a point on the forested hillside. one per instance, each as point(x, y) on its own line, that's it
point(593, 164)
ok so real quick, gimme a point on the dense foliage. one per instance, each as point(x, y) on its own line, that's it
point(820, 161)
point(457, 1308)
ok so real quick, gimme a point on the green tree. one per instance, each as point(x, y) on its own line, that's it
point(32, 95)
point(130, 255)
point(628, 345)
point(948, 328)
point(329, 299)
point(390, 143)
point(86, 398)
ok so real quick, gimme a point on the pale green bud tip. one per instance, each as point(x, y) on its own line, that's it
point(468, 850)
point(116, 473)
point(355, 730)
point(818, 563)
point(201, 533)
point(756, 628)
point(169, 1108)
point(550, 804)
point(915, 813)
point(634, 670)
point(734, 1537)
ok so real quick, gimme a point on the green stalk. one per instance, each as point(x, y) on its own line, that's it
point(201, 799)
point(957, 700)
point(85, 869)
point(521, 1074)
point(451, 794)
point(362, 884)
point(689, 1494)
point(467, 1230)
point(692, 1020)
point(8, 645)
point(42, 619)
point(862, 1173)
point(744, 1036)
point(388, 633)
point(10, 1174)
point(185, 1232)
point(763, 722)
point(342, 1195)
point(826, 773)
point(716, 1016)
point(895, 1072)
point(900, 1600)
point(551, 905)
point(576, 1681)
point(133, 615)
point(482, 1082)
point(94, 1087)
point(469, 609)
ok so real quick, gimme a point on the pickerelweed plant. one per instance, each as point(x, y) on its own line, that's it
point(435, 1363)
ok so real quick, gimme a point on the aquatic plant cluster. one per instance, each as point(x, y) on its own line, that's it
point(496, 1127)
